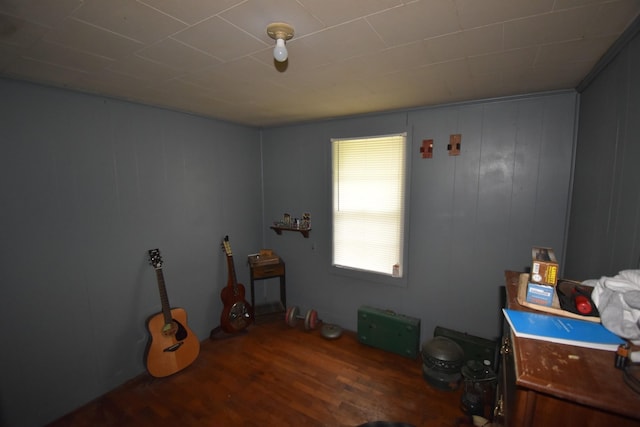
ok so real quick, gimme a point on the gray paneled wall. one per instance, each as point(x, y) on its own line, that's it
point(471, 216)
point(604, 236)
point(87, 186)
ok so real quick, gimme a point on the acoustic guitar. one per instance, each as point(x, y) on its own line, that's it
point(237, 313)
point(172, 345)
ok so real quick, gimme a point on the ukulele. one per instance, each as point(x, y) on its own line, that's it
point(172, 345)
point(237, 312)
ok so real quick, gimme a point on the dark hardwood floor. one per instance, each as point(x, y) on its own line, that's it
point(273, 375)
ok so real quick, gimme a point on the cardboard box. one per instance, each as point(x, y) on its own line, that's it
point(544, 266)
point(540, 294)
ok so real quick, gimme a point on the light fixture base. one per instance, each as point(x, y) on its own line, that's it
point(280, 30)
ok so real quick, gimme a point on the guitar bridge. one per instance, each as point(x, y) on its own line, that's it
point(174, 347)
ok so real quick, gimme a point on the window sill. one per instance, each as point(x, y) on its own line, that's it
point(368, 276)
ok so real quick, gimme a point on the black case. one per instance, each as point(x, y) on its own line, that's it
point(475, 348)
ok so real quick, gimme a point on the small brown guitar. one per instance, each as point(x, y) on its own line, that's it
point(237, 313)
point(172, 345)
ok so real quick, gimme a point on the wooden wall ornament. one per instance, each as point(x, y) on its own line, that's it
point(427, 148)
point(454, 144)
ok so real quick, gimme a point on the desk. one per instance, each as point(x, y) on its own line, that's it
point(269, 271)
point(548, 384)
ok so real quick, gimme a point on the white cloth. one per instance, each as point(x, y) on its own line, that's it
point(618, 301)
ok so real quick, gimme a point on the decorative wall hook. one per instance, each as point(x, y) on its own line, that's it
point(454, 144)
point(427, 148)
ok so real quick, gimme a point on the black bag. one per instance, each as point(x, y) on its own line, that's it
point(576, 298)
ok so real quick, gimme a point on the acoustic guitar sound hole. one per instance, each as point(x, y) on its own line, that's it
point(175, 329)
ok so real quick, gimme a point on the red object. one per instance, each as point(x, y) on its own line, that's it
point(583, 305)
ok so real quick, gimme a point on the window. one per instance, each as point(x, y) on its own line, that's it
point(369, 203)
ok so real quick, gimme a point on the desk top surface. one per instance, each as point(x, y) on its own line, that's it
point(577, 374)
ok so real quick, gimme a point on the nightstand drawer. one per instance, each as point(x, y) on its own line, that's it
point(269, 270)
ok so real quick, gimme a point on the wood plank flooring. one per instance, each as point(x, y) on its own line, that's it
point(274, 375)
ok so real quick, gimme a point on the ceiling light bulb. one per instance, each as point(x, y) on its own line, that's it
point(280, 32)
point(280, 51)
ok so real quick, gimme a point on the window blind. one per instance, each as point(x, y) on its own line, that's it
point(368, 203)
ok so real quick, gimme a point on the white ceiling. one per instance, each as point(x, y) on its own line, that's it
point(214, 57)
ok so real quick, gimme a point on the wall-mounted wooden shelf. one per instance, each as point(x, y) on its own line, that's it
point(279, 229)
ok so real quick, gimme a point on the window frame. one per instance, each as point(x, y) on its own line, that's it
point(366, 275)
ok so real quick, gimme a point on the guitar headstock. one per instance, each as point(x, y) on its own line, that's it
point(226, 246)
point(155, 259)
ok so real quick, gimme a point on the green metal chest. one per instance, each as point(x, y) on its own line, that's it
point(387, 330)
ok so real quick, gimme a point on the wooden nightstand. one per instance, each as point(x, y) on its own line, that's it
point(268, 271)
